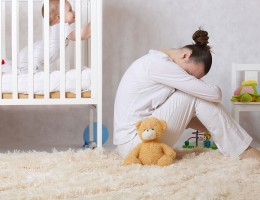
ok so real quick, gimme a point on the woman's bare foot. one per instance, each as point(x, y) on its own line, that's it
point(250, 152)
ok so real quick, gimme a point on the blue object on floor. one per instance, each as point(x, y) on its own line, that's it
point(104, 134)
point(207, 143)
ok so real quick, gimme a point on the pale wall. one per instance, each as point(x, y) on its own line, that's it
point(131, 28)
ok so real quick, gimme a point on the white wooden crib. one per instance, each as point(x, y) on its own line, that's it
point(86, 53)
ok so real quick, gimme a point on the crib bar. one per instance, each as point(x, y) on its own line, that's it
point(91, 123)
point(2, 40)
point(78, 49)
point(94, 48)
point(1, 48)
point(62, 49)
point(99, 73)
point(3, 30)
point(85, 10)
point(46, 51)
point(15, 39)
point(94, 66)
point(89, 41)
point(30, 48)
point(83, 21)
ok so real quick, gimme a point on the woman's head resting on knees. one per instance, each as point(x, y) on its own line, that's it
point(55, 12)
point(196, 58)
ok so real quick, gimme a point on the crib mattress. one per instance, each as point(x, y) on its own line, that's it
point(54, 84)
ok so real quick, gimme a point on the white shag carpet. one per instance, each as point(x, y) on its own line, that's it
point(98, 174)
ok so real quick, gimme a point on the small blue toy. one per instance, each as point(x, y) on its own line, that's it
point(92, 144)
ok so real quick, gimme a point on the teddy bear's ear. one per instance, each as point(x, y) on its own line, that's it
point(138, 124)
point(164, 124)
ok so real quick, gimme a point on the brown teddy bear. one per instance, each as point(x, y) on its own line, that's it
point(151, 151)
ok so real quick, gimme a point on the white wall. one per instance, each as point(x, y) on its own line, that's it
point(131, 28)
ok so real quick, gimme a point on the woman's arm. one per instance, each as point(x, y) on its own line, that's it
point(172, 75)
point(85, 33)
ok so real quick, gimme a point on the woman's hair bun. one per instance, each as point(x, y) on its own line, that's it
point(201, 37)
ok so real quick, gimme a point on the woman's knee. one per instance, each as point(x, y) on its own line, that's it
point(210, 113)
point(208, 105)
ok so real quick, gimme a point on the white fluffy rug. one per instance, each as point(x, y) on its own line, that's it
point(98, 174)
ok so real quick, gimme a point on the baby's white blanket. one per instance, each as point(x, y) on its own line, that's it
point(54, 81)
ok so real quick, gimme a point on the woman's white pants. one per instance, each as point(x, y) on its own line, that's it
point(178, 110)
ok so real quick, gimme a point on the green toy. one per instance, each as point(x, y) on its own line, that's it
point(199, 137)
point(248, 91)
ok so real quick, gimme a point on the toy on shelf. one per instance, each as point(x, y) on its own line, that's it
point(3, 61)
point(202, 139)
point(248, 91)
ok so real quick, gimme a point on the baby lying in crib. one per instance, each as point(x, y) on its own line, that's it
point(54, 44)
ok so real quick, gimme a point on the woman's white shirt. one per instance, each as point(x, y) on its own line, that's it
point(146, 85)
